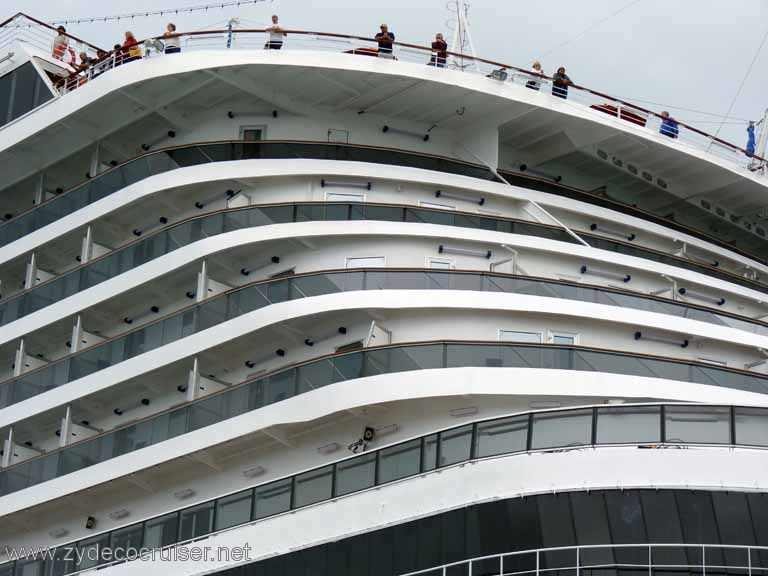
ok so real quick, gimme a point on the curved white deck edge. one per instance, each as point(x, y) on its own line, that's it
point(212, 245)
point(376, 390)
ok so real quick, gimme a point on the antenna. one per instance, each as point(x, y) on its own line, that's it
point(458, 24)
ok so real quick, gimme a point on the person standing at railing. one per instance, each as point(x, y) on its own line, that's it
point(536, 71)
point(131, 49)
point(276, 34)
point(117, 50)
point(172, 43)
point(61, 46)
point(669, 126)
point(385, 38)
point(560, 83)
point(439, 52)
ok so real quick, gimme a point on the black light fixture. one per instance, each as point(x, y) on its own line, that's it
point(537, 172)
point(272, 260)
point(146, 147)
point(280, 352)
point(90, 523)
point(386, 129)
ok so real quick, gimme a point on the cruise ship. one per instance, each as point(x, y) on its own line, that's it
point(333, 311)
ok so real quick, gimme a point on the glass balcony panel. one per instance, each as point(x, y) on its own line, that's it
point(628, 425)
point(90, 552)
point(127, 539)
point(698, 424)
point(521, 356)
point(211, 313)
point(313, 486)
point(481, 355)
point(751, 426)
point(162, 531)
point(244, 301)
point(234, 510)
point(455, 445)
point(196, 521)
point(281, 386)
point(399, 461)
point(348, 367)
point(272, 499)
point(429, 453)
point(208, 411)
point(503, 436)
point(61, 563)
point(355, 474)
point(30, 567)
point(561, 429)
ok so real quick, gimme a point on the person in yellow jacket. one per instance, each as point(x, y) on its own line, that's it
point(131, 48)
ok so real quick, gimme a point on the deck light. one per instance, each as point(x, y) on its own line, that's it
point(454, 196)
point(337, 184)
point(662, 339)
point(443, 249)
point(591, 270)
point(612, 231)
point(388, 129)
point(699, 296)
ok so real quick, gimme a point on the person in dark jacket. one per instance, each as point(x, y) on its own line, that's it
point(385, 38)
point(560, 83)
point(669, 125)
point(439, 52)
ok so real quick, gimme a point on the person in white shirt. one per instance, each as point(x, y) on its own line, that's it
point(172, 43)
point(276, 34)
point(536, 70)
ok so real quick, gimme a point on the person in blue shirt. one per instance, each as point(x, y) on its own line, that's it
point(385, 38)
point(751, 143)
point(669, 125)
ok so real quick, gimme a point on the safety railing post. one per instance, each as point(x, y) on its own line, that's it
point(537, 563)
point(703, 561)
point(650, 564)
point(470, 568)
point(578, 559)
point(501, 565)
point(749, 561)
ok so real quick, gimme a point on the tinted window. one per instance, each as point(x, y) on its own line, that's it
point(21, 91)
point(5, 97)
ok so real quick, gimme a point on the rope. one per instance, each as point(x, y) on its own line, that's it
point(741, 86)
point(161, 12)
point(590, 27)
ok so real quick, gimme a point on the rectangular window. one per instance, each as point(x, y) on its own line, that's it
point(440, 264)
point(160, 532)
point(251, 133)
point(272, 499)
point(313, 486)
point(503, 436)
point(128, 538)
point(698, 424)
point(400, 461)
point(752, 426)
point(196, 521)
point(355, 474)
point(234, 510)
point(367, 262)
point(562, 429)
point(628, 424)
point(437, 206)
point(344, 197)
point(515, 336)
point(563, 338)
point(455, 445)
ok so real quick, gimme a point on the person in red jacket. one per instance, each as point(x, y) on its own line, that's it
point(131, 48)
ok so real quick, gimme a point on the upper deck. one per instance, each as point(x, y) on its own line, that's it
point(474, 109)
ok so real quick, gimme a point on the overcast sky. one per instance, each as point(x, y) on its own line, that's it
point(686, 53)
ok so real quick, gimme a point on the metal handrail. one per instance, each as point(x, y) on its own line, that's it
point(537, 558)
point(111, 59)
point(437, 467)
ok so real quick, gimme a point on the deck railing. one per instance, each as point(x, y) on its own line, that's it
point(597, 103)
point(591, 560)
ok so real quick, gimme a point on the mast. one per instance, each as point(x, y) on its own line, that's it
point(462, 37)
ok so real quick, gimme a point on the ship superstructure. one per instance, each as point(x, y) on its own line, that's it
point(323, 312)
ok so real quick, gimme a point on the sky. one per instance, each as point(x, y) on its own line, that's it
point(690, 54)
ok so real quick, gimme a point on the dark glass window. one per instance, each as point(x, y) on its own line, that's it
point(313, 486)
point(355, 474)
point(196, 521)
point(21, 91)
point(234, 510)
point(160, 532)
point(272, 499)
point(455, 445)
point(625, 516)
point(502, 436)
point(400, 461)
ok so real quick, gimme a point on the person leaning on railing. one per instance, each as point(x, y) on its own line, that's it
point(276, 34)
point(536, 70)
point(130, 49)
point(172, 43)
point(669, 126)
point(560, 83)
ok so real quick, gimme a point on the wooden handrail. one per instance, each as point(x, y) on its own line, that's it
point(449, 53)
